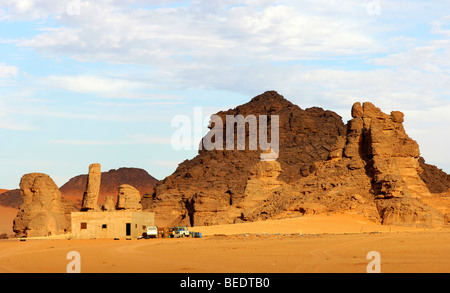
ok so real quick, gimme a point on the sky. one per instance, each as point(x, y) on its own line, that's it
point(85, 82)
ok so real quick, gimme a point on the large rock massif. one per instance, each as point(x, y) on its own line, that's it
point(43, 212)
point(369, 167)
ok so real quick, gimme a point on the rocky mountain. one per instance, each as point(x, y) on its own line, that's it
point(368, 166)
point(110, 183)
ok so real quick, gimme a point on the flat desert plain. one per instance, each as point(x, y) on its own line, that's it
point(328, 244)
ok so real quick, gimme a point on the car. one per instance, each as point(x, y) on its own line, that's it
point(183, 231)
point(152, 232)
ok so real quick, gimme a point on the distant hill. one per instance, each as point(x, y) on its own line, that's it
point(11, 198)
point(3, 190)
point(110, 182)
point(436, 180)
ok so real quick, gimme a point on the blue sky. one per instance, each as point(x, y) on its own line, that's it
point(100, 81)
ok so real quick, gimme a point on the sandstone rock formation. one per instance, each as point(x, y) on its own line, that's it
point(260, 186)
point(369, 167)
point(392, 156)
point(392, 161)
point(42, 212)
point(90, 197)
point(108, 205)
point(409, 211)
point(110, 182)
point(129, 198)
point(207, 189)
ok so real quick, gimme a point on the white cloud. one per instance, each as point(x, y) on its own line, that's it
point(438, 26)
point(430, 128)
point(167, 35)
point(7, 71)
point(249, 47)
point(131, 139)
point(90, 84)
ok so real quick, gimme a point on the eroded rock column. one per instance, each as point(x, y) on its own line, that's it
point(90, 197)
point(129, 198)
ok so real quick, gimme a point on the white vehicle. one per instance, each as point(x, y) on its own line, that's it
point(152, 232)
point(183, 231)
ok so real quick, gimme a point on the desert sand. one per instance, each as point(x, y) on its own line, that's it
point(332, 244)
point(7, 216)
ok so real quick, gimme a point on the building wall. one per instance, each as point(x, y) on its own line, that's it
point(110, 224)
point(141, 220)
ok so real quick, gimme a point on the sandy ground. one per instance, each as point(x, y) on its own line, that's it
point(339, 223)
point(308, 244)
point(7, 216)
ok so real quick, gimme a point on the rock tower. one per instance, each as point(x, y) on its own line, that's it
point(90, 197)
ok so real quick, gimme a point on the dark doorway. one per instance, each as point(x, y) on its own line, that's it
point(128, 229)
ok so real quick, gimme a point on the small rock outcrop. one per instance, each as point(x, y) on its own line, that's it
point(90, 197)
point(409, 212)
point(42, 212)
point(108, 205)
point(129, 198)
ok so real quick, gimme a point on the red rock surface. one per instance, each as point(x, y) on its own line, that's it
point(11, 198)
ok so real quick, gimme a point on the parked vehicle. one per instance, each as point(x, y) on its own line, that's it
point(152, 232)
point(196, 235)
point(183, 231)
